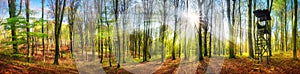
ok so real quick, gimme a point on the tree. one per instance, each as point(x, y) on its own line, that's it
point(270, 8)
point(240, 26)
point(176, 4)
point(185, 28)
point(108, 38)
point(251, 55)
point(295, 30)
point(148, 11)
point(73, 6)
point(285, 24)
point(58, 13)
point(210, 35)
point(205, 26)
point(13, 14)
point(231, 25)
point(28, 30)
point(199, 31)
point(125, 5)
point(99, 23)
point(163, 30)
point(118, 34)
point(43, 39)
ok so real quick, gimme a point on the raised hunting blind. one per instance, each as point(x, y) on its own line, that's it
point(262, 36)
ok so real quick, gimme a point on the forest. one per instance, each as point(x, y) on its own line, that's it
point(149, 37)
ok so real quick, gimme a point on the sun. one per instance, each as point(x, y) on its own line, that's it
point(191, 17)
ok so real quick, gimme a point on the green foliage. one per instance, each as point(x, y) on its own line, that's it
point(38, 34)
point(37, 25)
point(16, 55)
point(19, 22)
point(7, 52)
point(21, 40)
point(16, 23)
point(104, 31)
point(20, 26)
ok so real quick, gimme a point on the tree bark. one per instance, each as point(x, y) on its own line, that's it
point(200, 57)
point(43, 39)
point(295, 30)
point(176, 4)
point(12, 14)
point(240, 25)
point(28, 30)
point(285, 24)
point(251, 55)
point(59, 13)
point(231, 41)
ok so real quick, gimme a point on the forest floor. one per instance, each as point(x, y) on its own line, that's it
point(280, 63)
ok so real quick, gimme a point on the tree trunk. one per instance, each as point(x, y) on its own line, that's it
point(281, 31)
point(176, 4)
point(12, 14)
point(210, 33)
point(163, 31)
point(295, 30)
point(108, 38)
point(251, 55)
point(43, 39)
point(285, 24)
point(200, 57)
point(118, 34)
point(270, 26)
point(58, 22)
point(231, 41)
point(32, 45)
point(240, 25)
point(28, 30)
point(205, 41)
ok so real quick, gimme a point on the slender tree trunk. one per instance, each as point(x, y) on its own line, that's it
point(295, 30)
point(71, 19)
point(118, 34)
point(28, 30)
point(285, 24)
point(43, 39)
point(100, 43)
point(108, 38)
point(163, 31)
point(282, 31)
point(254, 27)
point(210, 34)
point(270, 26)
point(58, 23)
point(124, 43)
point(240, 25)
point(231, 41)
point(205, 41)
point(200, 57)
point(251, 55)
point(12, 14)
point(176, 2)
point(32, 45)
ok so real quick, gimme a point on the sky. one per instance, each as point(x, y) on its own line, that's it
point(35, 5)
